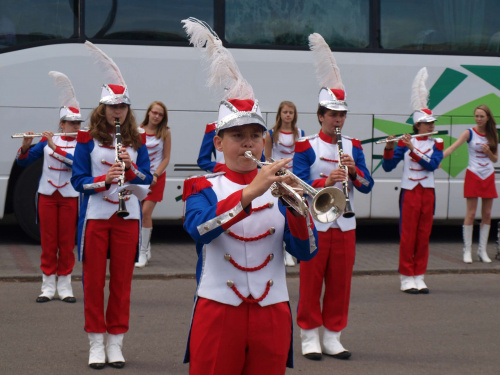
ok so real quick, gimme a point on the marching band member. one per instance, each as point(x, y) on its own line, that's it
point(316, 161)
point(482, 144)
point(159, 144)
point(421, 157)
point(207, 150)
point(57, 201)
point(101, 232)
point(242, 321)
point(280, 142)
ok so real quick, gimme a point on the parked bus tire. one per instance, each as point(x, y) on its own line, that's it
point(24, 199)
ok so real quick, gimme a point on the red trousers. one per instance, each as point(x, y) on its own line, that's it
point(332, 264)
point(119, 238)
point(415, 226)
point(245, 339)
point(58, 216)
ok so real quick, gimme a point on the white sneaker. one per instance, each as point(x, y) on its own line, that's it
point(311, 347)
point(114, 350)
point(332, 345)
point(97, 355)
point(408, 284)
point(419, 281)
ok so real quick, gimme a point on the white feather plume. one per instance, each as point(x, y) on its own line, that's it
point(223, 70)
point(67, 95)
point(419, 93)
point(107, 65)
point(327, 70)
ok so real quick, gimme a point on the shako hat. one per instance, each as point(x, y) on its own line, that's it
point(238, 106)
point(420, 98)
point(70, 108)
point(115, 91)
point(332, 94)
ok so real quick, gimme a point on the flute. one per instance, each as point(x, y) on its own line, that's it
point(24, 135)
point(387, 140)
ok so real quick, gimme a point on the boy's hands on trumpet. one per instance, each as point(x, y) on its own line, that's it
point(264, 179)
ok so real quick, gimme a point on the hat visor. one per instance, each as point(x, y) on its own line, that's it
point(335, 106)
point(115, 99)
point(427, 119)
point(240, 119)
point(71, 118)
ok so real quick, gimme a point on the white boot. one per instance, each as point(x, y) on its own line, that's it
point(467, 232)
point(332, 345)
point(419, 281)
point(484, 232)
point(311, 347)
point(143, 252)
point(114, 350)
point(97, 355)
point(48, 288)
point(64, 289)
point(289, 260)
point(408, 284)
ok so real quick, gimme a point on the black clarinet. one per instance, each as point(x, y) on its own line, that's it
point(122, 209)
point(348, 212)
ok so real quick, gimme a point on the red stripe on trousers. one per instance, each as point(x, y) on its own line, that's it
point(245, 339)
point(332, 264)
point(415, 226)
point(58, 216)
point(119, 237)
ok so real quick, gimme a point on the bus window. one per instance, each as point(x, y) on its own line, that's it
point(29, 21)
point(460, 25)
point(288, 23)
point(146, 20)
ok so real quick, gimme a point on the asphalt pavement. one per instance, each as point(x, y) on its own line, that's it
point(453, 330)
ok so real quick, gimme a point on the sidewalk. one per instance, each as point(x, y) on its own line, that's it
point(174, 255)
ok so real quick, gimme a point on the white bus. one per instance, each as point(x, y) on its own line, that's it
point(379, 45)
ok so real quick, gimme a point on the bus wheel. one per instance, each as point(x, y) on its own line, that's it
point(24, 199)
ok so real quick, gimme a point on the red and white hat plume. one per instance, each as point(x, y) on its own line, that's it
point(332, 93)
point(115, 91)
point(239, 106)
point(420, 98)
point(70, 108)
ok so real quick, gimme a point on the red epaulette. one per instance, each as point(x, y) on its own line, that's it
point(302, 145)
point(401, 143)
point(194, 185)
point(439, 143)
point(143, 138)
point(83, 136)
point(356, 143)
point(44, 139)
point(210, 127)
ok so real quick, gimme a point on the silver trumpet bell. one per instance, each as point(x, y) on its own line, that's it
point(327, 204)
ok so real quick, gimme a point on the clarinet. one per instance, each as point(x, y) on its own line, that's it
point(122, 210)
point(348, 212)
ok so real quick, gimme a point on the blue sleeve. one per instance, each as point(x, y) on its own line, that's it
point(363, 181)
point(432, 163)
point(32, 155)
point(207, 150)
point(389, 163)
point(81, 178)
point(301, 247)
point(302, 162)
point(201, 208)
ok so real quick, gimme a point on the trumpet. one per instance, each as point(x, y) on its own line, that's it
point(122, 209)
point(327, 204)
point(387, 140)
point(24, 135)
point(348, 212)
